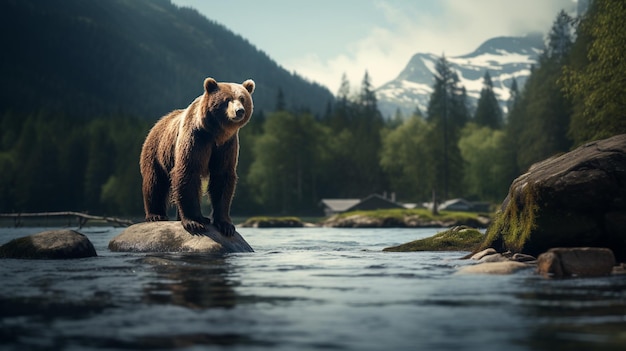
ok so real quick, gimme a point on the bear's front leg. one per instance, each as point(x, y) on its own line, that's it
point(221, 190)
point(186, 190)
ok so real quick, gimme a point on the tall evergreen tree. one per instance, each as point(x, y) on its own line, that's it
point(447, 112)
point(513, 96)
point(594, 78)
point(368, 124)
point(542, 116)
point(560, 37)
point(488, 112)
point(281, 105)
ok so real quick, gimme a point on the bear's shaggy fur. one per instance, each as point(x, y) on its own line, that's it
point(188, 145)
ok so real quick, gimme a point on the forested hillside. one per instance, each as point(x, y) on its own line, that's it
point(83, 81)
point(137, 57)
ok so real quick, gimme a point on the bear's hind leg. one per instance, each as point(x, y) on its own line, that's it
point(155, 196)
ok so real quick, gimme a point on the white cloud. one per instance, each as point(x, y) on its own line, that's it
point(458, 29)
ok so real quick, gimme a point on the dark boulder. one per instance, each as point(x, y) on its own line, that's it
point(576, 262)
point(170, 236)
point(54, 244)
point(577, 199)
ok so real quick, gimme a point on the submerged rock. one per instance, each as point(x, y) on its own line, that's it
point(500, 267)
point(577, 199)
point(460, 238)
point(170, 236)
point(53, 244)
point(576, 262)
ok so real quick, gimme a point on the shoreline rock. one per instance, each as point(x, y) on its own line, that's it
point(170, 236)
point(411, 221)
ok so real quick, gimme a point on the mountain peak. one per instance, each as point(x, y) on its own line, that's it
point(504, 45)
point(506, 58)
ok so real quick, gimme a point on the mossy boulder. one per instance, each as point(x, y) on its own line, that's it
point(273, 222)
point(459, 238)
point(53, 244)
point(405, 218)
point(577, 199)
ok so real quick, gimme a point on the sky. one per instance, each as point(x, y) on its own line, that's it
point(323, 39)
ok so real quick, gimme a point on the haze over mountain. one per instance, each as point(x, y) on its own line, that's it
point(506, 58)
point(137, 57)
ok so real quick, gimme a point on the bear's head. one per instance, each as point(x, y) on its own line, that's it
point(230, 103)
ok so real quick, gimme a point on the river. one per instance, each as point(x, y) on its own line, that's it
point(303, 289)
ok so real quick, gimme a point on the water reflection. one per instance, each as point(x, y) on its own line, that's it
point(576, 314)
point(195, 281)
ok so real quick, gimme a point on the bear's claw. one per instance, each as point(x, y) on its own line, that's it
point(226, 228)
point(196, 227)
point(155, 218)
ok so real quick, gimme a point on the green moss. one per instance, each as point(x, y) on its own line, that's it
point(456, 239)
point(399, 213)
point(516, 222)
point(266, 221)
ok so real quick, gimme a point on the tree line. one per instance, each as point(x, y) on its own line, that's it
point(291, 158)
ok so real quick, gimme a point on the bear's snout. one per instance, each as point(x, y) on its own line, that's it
point(236, 111)
point(240, 112)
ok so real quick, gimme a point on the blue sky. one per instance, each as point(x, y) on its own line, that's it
point(322, 39)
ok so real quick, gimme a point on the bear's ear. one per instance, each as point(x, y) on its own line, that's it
point(249, 85)
point(210, 85)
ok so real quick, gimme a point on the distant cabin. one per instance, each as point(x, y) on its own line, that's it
point(372, 202)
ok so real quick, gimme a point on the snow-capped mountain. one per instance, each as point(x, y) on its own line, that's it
point(504, 57)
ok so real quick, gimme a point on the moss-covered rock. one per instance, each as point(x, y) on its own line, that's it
point(409, 218)
point(575, 199)
point(459, 238)
point(273, 222)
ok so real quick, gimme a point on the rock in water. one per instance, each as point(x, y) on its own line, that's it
point(170, 236)
point(577, 199)
point(54, 244)
point(503, 267)
point(576, 262)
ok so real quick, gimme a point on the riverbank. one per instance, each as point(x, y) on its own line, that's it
point(406, 218)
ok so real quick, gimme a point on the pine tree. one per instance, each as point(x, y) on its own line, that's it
point(594, 78)
point(488, 112)
point(367, 96)
point(447, 112)
point(513, 96)
point(560, 37)
point(280, 101)
point(542, 115)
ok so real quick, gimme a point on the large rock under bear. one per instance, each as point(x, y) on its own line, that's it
point(188, 145)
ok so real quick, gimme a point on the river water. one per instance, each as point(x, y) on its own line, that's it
point(303, 289)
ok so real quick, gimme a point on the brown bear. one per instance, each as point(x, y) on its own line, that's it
point(185, 146)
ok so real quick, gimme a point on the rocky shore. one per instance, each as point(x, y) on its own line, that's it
point(404, 219)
